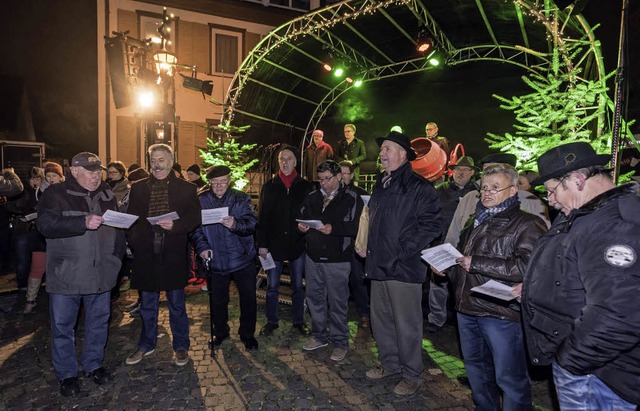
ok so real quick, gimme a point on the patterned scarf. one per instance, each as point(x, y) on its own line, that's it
point(482, 212)
point(158, 205)
point(328, 198)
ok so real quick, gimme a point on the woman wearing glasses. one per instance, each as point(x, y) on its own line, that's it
point(496, 244)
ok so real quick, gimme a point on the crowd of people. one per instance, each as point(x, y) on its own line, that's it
point(572, 279)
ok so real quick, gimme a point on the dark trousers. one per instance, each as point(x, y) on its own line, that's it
point(22, 248)
point(359, 286)
point(245, 279)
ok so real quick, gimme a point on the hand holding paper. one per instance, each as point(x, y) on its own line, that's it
point(118, 220)
point(441, 257)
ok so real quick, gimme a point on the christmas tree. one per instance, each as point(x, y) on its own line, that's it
point(223, 149)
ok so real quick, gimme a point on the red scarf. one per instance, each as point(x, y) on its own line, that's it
point(288, 180)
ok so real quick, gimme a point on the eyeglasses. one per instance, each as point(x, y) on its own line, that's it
point(113, 172)
point(324, 179)
point(494, 190)
point(552, 191)
point(222, 184)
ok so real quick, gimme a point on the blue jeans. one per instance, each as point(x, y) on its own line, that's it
point(178, 320)
point(495, 360)
point(296, 272)
point(586, 393)
point(63, 311)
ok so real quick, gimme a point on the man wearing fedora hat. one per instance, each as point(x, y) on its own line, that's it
point(450, 192)
point(580, 290)
point(404, 218)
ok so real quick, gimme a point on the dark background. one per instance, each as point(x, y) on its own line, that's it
point(51, 45)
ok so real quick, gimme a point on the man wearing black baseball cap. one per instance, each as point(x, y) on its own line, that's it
point(580, 290)
point(83, 260)
point(404, 216)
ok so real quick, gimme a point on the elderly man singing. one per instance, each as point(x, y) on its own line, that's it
point(496, 245)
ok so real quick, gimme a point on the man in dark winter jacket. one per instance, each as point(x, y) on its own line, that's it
point(580, 289)
point(280, 201)
point(160, 253)
point(404, 217)
point(329, 252)
point(83, 260)
point(228, 247)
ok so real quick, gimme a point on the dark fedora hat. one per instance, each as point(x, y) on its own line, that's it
point(400, 139)
point(565, 158)
point(464, 161)
point(503, 158)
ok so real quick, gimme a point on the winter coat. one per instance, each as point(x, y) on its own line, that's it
point(232, 249)
point(79, 261)
point(314, 155)
point(404, 219)
point(449, 195)
point(580, 292)
point(343, 213)
point(169, 269)
point(120, 188)
point(277, 226)
point(500, 248)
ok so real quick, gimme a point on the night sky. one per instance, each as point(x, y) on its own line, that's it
point(51, 43)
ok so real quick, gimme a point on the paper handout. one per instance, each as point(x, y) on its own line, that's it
point(311, 223)
point(169, 216)
point(495, 289)
point(214, 215)
point(441, 257)
point(118, 220)
point(267, 262)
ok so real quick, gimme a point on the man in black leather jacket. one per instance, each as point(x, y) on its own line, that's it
point(581, 287)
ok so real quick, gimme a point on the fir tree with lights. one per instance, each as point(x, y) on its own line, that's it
point(223, 149)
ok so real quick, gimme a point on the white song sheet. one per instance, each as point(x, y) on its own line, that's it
point(311, 223)
point(169, 216)
point(118, 220)
point(214, 215)
point(441, 257)
point(495, 289)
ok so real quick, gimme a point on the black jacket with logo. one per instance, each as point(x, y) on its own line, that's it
point(581, 289)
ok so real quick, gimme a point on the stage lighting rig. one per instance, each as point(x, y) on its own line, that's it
point(195, 84)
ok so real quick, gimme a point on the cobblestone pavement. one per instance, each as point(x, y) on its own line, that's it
point(279, 376)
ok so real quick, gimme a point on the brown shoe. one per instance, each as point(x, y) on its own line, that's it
point(182, 358)
point(406, 388)
point(137, 356)
point(379, 374)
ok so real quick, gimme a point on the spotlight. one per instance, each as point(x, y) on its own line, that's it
point(357, 83)
point(349, 80)
point(327, 67)
point(434, 61)
point(424, 42)
point(193, 83)
point(338, 72)
point(145, 98)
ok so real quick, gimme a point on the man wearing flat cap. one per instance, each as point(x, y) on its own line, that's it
point(83, 260)
point(580, 291)
point(229, 248)
point(404, 218)
point(449, 193)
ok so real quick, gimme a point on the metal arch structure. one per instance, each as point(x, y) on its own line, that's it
point(339, 29)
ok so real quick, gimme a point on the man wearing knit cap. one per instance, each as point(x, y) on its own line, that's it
point(83, 260)
point(580, 291)
point(193, 174)
point(230, 251)
point(160, 251)
point(404, 214)
point(280, 201)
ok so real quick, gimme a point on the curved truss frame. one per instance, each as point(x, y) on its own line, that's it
point(317, 23)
